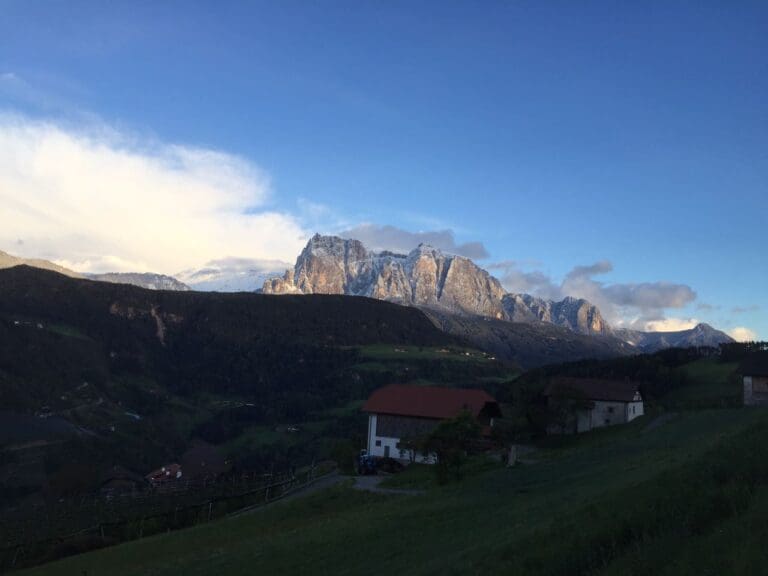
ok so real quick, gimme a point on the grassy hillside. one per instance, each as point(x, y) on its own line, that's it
point(271, 380)
point(668, 499)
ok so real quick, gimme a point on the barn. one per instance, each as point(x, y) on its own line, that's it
point(399, 411)
point(588, 403)
point(754, 374)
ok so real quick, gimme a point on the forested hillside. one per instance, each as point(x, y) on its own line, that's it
point(131, 376)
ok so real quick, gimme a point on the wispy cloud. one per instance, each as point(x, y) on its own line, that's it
point(97, 199)
point(399, 240)
point(671, 324)
point(745, 309)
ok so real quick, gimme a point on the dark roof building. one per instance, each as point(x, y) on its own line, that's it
point(755, 365)
point(754, 372)
point(430, 402)
point(594, 389)
point(168, 473)
point(582, 404)
point(398, 412)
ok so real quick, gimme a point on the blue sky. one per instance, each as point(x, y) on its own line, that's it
point(556, 134)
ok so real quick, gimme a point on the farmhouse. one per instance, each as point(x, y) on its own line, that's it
point(397, 412)
point(164, 475)
point(754, 373)
point(581, 404)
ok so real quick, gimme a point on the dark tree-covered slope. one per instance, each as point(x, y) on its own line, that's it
point(528, 345)
point(57, 328)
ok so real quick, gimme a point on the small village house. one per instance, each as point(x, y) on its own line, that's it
point(164, 475)
point(588, 403)
point(397, 412)
point(754, 374)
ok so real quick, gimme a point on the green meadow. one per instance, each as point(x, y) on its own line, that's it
point(637, 500)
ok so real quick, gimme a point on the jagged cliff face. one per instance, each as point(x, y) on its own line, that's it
point(575, 314)
point(425, 277)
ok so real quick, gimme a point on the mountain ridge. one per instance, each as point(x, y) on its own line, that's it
point(425, 277)
point(146, 280)
point(450, 284)
point(700, 335)
point(10, 261)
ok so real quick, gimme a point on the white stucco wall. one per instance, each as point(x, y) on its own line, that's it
point(606, 413)
point(634, 410)
point(755, 390)
point(377, 446)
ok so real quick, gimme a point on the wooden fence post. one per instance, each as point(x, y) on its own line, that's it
point(16, 554)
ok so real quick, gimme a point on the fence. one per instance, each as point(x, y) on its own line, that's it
point(49, 532)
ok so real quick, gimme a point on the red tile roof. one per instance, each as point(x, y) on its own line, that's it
point(428, 401)
point(594, 389)
point(165, 474)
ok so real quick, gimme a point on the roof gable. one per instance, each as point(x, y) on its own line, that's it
point(596, 389)
point(428, 401)
point(755, 364)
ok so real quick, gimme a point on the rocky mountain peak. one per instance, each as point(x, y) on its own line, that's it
point(575, 314)
point(425, 277)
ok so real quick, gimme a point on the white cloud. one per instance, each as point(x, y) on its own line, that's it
point(671, 324)
point(637, 305)
point(98, 200)
point(398, 240)
point(742, 334)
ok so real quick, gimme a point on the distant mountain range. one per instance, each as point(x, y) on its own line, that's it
point(459, 296)
point(9, 261)
point(142, 280)
point(700, 335)
point(427, 278)
point(145, 280)
point(232, 274)
point(445, 284)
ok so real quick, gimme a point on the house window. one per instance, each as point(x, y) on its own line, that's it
point(378, 442)
point(607, 421)
point(633, 409)
point(610, 409)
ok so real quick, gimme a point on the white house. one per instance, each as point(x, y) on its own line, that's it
point(588, 403)
point(754, 374)
point(397, 412)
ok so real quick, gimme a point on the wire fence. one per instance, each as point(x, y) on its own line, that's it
point(45, 533)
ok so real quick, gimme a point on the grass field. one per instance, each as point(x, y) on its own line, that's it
point(709, 384)
point(389, 352)
point(609, 504)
